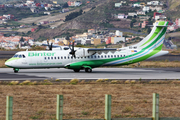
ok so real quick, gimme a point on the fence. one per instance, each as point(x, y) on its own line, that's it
point(107, 115)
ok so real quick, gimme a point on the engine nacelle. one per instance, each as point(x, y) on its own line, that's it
point(83, 52)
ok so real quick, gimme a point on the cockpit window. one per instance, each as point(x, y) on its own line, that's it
point(15, 56)
point(19, 56)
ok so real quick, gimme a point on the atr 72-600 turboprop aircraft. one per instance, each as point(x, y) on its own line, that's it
point(88, 58)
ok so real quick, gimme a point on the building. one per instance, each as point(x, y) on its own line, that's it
point(65, 10)
point(157, 8)
point(144, 24)
point(118, 4)
point(137, 4)
point(121, 16)
point(132, 14)
point(115, 40)
point(91, 31)
point(146, 9)
point(143, 18)
point(108, 41)
point(96, 41)
point(153, 3)
point(141, 13)
point(177, 21)
point(34, 10)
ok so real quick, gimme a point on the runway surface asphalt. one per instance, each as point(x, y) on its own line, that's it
point(109, 73)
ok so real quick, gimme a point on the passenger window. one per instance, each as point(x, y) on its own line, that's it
point(98, 56)
point(58, 57)
point(112, 56)
point(45, 58)
point(64, 57)
point(108, 56)
point(91, 56)
point(105, 56)
point(115, 56)
point(48, 57)
point(94, 56)
point(124, 55)
point(54, 57)
point(101, 56)
point(121, 55)
point(88, 56)
point(24, 56)
point(51, 57)
point(61, 57)
point(67, 57)
point(84, 57)
point(20, 56)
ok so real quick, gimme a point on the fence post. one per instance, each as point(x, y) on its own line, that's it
point(155, 111)
point(59, 111)
point(9, 107)
point(107, 107)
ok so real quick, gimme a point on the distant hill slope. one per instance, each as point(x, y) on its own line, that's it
point(174, 9)
point(90, 19)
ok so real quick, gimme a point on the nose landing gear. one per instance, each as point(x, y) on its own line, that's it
point(15, 70)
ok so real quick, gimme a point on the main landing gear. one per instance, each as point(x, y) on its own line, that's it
point(76, 70)
point(88, 70)
point(15, 70)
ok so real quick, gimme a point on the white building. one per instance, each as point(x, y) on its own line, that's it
point(153, 3)
point(118, 4)
point(132, 14)
point(146, 9)
point(8, 17)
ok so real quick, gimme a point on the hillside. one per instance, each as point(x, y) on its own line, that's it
point(173, 11)
point(99, 17)
point(89, 19)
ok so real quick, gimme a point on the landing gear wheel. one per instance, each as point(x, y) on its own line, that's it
point(16, 70)
point(76, 70)
point(88, 70)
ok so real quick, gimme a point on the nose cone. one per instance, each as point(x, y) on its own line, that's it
point(10, 62)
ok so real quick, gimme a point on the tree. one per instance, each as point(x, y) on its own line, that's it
point(65, 5)
point(21, 39)
point(67, 38)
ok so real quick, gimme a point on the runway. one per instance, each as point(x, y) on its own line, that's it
point(97, 73)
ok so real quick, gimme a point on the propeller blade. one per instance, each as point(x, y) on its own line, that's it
point(50, 48)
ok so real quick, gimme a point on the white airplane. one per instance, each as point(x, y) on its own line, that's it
point(88, 58)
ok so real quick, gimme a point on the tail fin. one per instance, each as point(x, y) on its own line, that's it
point(155, 38)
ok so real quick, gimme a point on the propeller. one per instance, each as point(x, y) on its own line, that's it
point(72, 52)
point(50, 46)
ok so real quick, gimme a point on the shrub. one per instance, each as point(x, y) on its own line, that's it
point(74, 81)
point(100, 80)
point(27, 82)
point(85, 113)
point(58, 80)
point(114, 82)
point(127, 109)
point(133, 81)
point(127, 81)
point(14, 83)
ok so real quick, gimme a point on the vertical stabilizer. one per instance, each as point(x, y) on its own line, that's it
point(155, 38)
